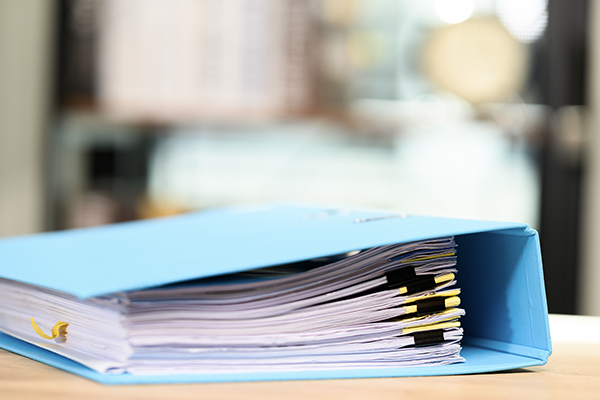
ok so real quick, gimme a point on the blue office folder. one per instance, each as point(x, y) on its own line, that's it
point(499, 263)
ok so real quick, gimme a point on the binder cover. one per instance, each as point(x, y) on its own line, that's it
point(499, 263)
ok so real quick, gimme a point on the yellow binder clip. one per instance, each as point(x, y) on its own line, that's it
point(58, 331)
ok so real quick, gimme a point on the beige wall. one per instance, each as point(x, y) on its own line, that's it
point(26, 44)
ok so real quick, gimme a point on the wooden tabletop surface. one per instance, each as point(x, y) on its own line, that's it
point(572, 372)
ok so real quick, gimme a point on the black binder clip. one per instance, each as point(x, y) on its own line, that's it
point(400, 276)
point(428, 338)
point(419, 283)
point(432, 305)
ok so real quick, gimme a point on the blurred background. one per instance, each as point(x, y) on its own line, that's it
point(119, 110)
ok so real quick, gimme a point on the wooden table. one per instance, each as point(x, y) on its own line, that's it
point(573, 372)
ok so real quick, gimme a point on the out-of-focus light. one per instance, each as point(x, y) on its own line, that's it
point(525, 20)
point(454, 11)
point(477, 60)
point(512, 115)
point(340, 12)
point(428, 112)
point(365, 49)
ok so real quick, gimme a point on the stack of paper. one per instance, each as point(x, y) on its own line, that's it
point(387, 306)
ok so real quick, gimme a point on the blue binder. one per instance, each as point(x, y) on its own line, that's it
point(500, 274)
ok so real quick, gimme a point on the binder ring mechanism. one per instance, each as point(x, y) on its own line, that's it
point(59, 331)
